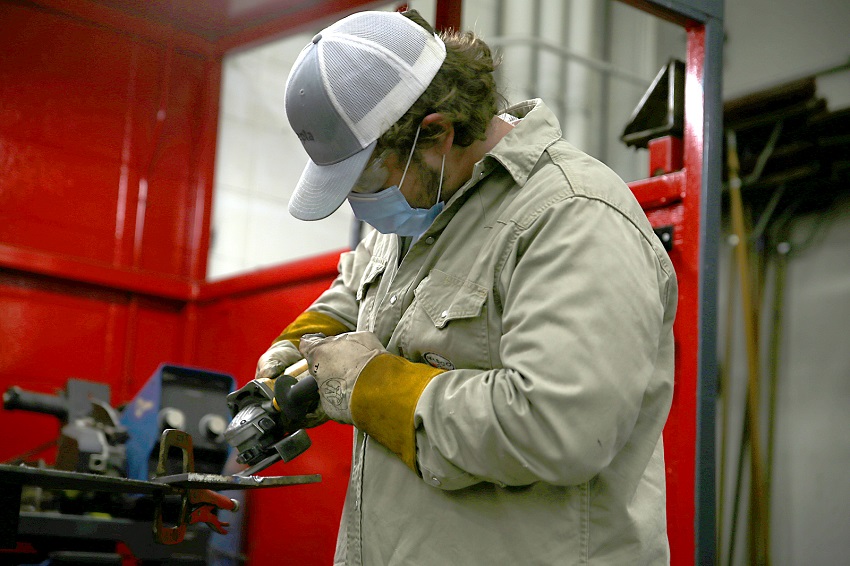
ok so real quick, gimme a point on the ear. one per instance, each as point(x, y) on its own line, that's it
point(437, 120)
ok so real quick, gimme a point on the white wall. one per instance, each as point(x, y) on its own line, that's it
point(770, 42)
point(810, 485)
point(258, 161)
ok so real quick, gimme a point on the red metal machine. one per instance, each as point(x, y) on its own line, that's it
point(108, 113)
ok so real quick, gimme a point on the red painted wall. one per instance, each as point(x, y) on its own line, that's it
point(107, 139)
point(98, 145)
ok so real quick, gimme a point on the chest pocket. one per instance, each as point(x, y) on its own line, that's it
point(449, 320)
point(445, 298)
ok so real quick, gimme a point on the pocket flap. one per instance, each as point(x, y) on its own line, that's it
point(444, 297)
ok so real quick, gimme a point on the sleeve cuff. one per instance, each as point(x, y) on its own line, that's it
point(384, 400)
point(311, 322)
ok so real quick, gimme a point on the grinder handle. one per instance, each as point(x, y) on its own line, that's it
point(297, 368)
point(305, 391)
point(294, 398)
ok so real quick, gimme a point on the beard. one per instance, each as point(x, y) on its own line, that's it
point(429, 180)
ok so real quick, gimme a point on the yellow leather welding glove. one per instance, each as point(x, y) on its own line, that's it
point(284, 352)
point(360, 383)
point(276, 359)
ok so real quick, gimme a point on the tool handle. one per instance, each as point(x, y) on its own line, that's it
point(17, 398)
point(297, 368)
point(305, 391)
point(296, 398)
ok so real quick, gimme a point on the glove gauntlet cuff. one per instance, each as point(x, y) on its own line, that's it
point(384, 400)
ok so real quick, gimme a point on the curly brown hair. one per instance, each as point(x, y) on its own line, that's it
point(463, 90)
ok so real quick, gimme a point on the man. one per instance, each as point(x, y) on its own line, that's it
point(502, 342)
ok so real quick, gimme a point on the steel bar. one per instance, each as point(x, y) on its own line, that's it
point(60, 479)
point(215, 482)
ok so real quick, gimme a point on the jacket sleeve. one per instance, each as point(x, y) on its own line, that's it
point(585, 309)
point(339, 302)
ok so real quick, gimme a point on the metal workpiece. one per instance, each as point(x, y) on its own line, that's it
point(216, 482)
point(60, 479)
point(198, 501)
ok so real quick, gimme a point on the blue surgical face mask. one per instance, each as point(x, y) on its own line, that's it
point(389, 212)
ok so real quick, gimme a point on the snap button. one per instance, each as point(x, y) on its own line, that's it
point(429, 240)
point(434, 480)
point(444, 314)
point(393, 299)
point(316, 38)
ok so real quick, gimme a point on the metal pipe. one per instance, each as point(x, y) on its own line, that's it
point(605, 87)
point(534, 54)
point(773, 365)
point(567, 53)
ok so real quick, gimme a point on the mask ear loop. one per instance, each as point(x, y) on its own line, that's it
point(440, 188)
point(409, 157)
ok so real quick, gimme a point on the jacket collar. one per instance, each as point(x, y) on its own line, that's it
point(520, 150)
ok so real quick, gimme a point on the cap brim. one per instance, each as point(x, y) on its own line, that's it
point(323, 188)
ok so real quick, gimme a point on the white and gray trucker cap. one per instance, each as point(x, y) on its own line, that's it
point(353, 81)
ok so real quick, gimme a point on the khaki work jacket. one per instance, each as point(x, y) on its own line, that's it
point(544, 292)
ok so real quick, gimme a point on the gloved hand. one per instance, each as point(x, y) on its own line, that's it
point(284, 352)
point(336, 362)
point(360, 383)
point(274, 362)
point(276, 359)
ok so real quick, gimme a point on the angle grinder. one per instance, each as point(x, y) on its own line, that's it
point(268, 417)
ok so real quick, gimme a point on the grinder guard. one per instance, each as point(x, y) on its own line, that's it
point(266, 420)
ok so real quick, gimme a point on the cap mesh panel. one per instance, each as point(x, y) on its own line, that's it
point(397, 35)
point(375, 75)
